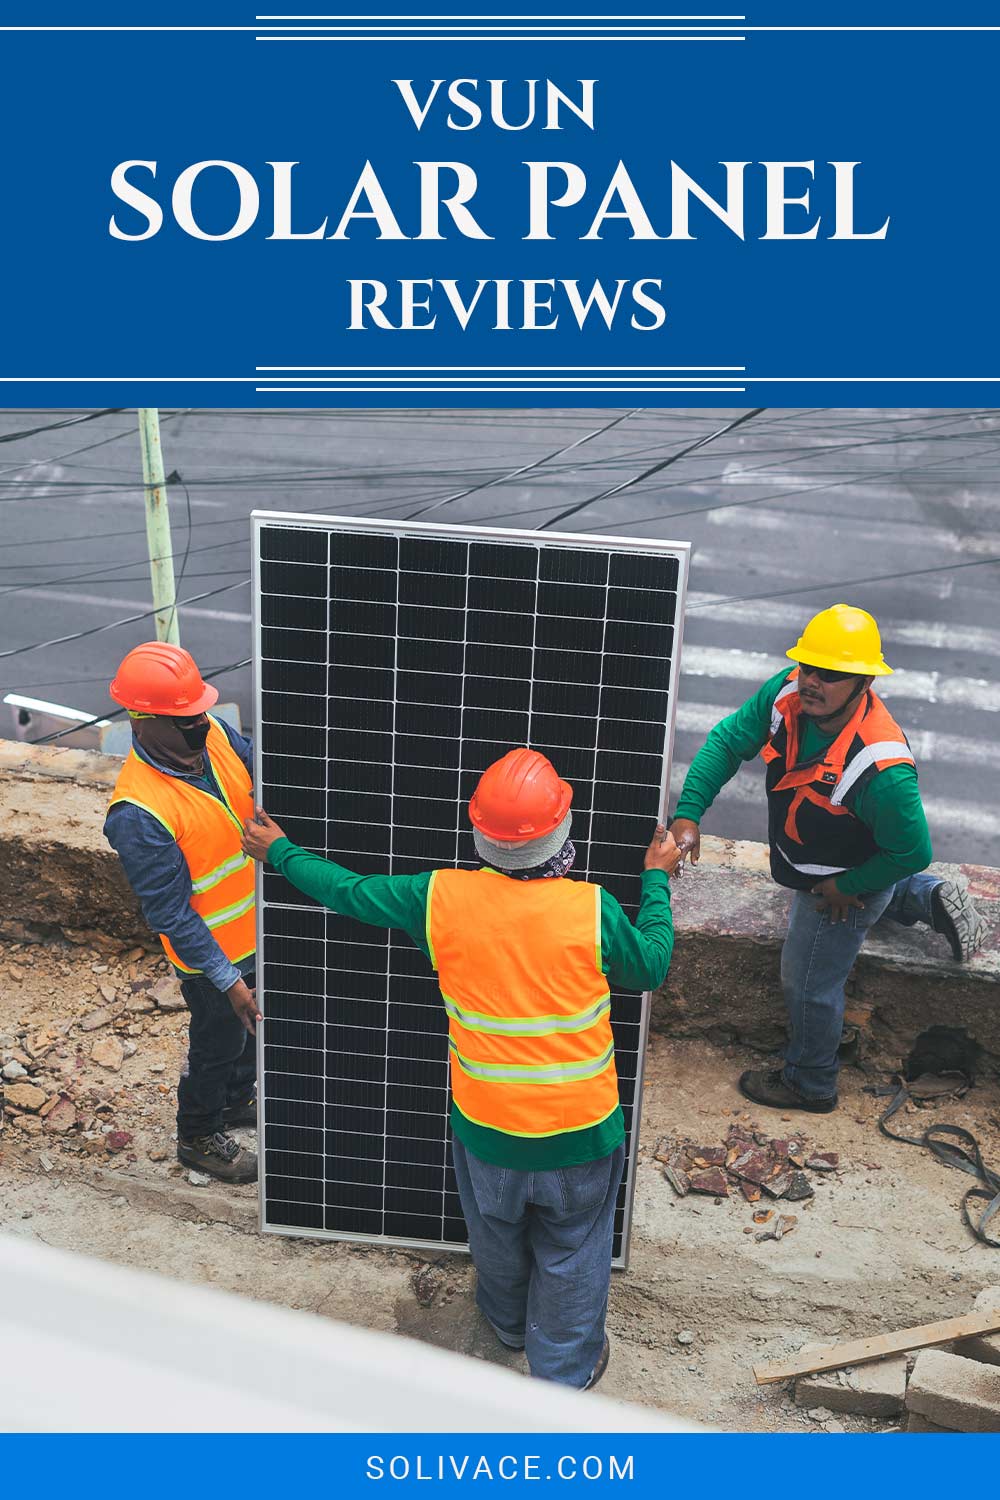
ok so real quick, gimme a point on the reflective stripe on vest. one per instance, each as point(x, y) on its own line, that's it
point(519, 963)
point(208, 833)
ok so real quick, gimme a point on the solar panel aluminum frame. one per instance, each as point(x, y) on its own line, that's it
point(549, 539)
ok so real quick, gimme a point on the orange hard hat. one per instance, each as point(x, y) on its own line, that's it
point(519, 798)
point(157, 678)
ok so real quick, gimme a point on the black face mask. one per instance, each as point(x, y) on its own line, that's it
point(193, 735)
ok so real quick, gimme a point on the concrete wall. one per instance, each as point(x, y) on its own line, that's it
point(57, 873)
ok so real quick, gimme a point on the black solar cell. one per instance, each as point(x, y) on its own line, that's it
point(393, 666)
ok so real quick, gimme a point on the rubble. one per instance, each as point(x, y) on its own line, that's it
point(870, 1390)
point(747, 1159)
point(166, 993)
point(983, 1346)
point(955, 1392)
point(109, 1053)
point(25, 1096)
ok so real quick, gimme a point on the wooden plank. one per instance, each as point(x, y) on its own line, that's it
point(861, 1351)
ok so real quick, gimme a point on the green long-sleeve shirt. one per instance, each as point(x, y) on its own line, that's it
point(889, 805)
point(633, 957)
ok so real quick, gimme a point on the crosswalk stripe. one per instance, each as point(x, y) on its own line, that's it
point(942, 812)
point(893, 533)
point(927, 744)
point(925, 687)
point(790, 618)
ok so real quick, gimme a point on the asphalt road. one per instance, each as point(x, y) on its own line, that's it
point(795, 510)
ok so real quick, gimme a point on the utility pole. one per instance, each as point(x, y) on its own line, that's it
point(161, 551)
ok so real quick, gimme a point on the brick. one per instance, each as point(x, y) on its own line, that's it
point(916, 1423)
point(955, 1392)
point(870, 1390)
point(983, 1346)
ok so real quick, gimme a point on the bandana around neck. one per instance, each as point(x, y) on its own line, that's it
point(553, 869)
point(164, 743)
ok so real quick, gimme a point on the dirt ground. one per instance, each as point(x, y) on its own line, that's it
point(87, 1164)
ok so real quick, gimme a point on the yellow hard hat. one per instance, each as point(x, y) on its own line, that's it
point(844, 639)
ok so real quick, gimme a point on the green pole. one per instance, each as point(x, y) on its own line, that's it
point(161, 552)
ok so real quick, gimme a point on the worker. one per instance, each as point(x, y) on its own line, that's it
point(175, 820)
point(847, 834)
point(524, 959)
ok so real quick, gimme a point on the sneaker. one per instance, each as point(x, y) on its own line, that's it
point(770, 1088)
point(956, 918)
point(244, 1114)
point(220, 1156)
point(601, 1366)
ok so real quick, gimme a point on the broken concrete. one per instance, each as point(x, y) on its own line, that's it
point(916, 1423)
point(877, 1389)
point(983, 1346)
point(954, 1392)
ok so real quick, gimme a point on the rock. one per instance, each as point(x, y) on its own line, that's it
point(679, 1181)
point(109, 1053)
point(30, 1124)
point(96, 1019)
point(117, 1140)
point(108, 992)
point(778, 1186)
point(712, 1181)
point(133, 955)
point(198, 1179)
point(800, 1187)
point(823, 1161)
point(62, 1116)
point(129, 1048)
point(45, 1162)
point(708, 1156)
point(157, 1154)
point(140, 1004)
point(166, 992)
point(157, 1067)
point(819, 1414)
point(26, 1096)
point(834, 1426)
point(685, 1336)
point(13, 1071)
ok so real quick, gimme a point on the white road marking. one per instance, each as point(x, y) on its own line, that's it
point(927, 744)
point(131, 606)
point(966, 817)
point(925, 687)
point(877, 534)
point(936, 636)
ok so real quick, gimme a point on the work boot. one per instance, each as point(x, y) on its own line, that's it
point(768, 1087)
point(601, 1366)
point(244, 1114)
point(955, 917)
point(220, 1156)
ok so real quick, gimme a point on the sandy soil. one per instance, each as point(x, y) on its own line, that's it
point(881, 1245)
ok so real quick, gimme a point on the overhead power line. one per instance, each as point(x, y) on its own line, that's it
point(665, 463)
point(91, 416)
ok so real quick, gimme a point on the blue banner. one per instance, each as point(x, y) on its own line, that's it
point(741, 205)
point(374, 1465)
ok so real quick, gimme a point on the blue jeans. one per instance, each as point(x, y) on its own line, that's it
point(221, 1067)
point(541, 1243)
point(815, 961)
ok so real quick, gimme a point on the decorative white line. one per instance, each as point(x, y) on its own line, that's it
point(492, 36)
point(496, 369)
point(496, 390)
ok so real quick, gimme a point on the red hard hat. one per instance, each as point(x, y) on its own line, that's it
point(157, 678)
point(519, 797)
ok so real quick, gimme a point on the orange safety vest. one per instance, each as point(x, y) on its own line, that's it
point(812, 830)
point(519, 964)
point(208, 832)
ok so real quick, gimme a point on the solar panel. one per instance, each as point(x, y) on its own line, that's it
point(393, 663)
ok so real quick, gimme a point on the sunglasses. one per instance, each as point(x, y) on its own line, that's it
point(825, 674)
